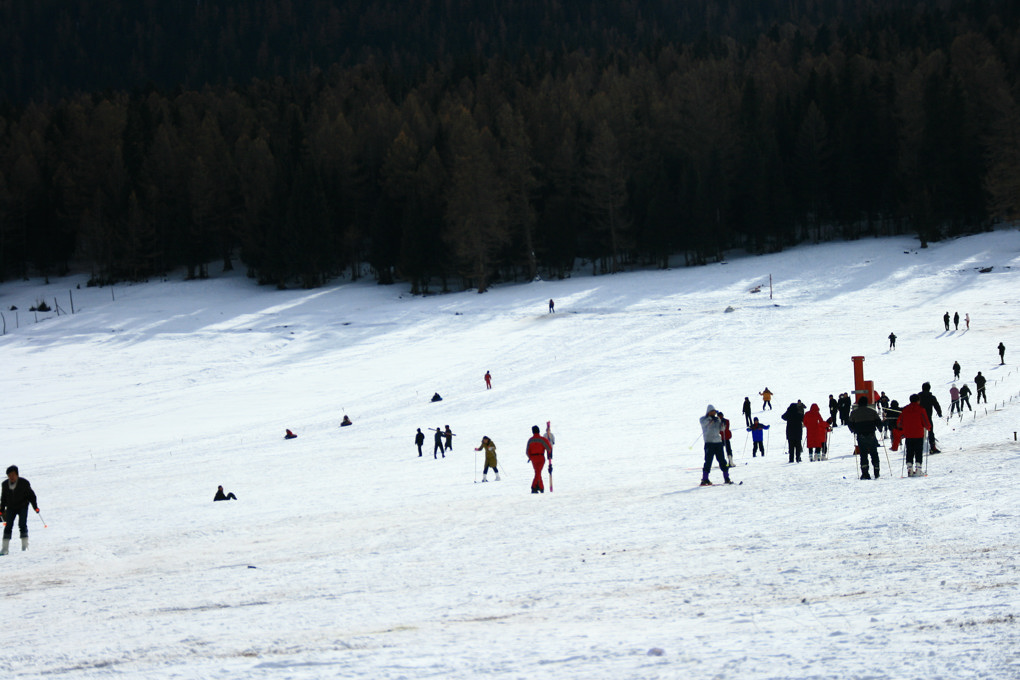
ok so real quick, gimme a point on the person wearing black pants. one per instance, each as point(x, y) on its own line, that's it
point(419, 439)
point(865, 423)
point(747, 410)
point(794, 431)
point(438, 448)
point(979, 382)
point(712, 432)
point(930, 403)
point(15, 498)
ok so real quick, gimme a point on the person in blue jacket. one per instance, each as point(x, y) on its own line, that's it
point(757, 431)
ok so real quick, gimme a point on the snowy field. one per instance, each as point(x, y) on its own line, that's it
point(347, 556)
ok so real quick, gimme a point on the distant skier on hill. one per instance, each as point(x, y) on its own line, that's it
point(746, 410)
point(864, 422)
point(1002, 354)
point(979, 383)
point(945, 320)
point(956, 321)
point(488, 380)
point(448, 433)
point(489, 447)
point(712, 432)
point(766, 399)
point(419, 439)
point(438, 448)
point(954, 399)
point(956, 370)
point(892, 341)
point(965, 398)
point(794, 418)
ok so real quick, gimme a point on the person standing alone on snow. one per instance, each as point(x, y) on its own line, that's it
point(488, 381)
point(489, 447)
point(419, 439)
point(979, 383)
point(552, 306)
point(757, 431)
point(746, 408)
point(945, 320)
point(1002, 354)
point(766, 399)
point(956, 370)
point(892, 341)
point(794, 418)
point(865, 423)
point(536, 450)
point(15, 498)
point(712, 431)
point(913, 423)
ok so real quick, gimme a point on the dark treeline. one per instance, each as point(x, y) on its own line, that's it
point(273, 135)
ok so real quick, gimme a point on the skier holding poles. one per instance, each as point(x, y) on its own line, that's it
point(865, 423)
point(915, 424)
point(757, 431)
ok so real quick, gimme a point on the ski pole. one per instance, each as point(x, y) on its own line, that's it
point(743, 450)
point(888, 464)
point(42, 520)
point(691, 446)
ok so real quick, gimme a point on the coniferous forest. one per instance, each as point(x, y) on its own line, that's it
point(460, 143)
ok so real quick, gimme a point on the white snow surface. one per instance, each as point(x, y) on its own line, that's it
point(348, 556)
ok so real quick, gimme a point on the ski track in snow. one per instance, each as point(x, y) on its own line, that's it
point(348, 556)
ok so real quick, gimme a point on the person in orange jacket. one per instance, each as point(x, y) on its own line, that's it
point(913, 423)
point(536, 450)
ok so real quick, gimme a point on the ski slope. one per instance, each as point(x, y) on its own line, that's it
point(348, 556)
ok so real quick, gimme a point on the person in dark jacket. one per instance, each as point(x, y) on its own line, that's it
point(746, 409)
point(1002, 354)
point(220, 496)
point(438, 448)
point(794, 418)
point(289, 435)
point(956, 320)
point(892, 341)
point(844, 408)
point(448, 433)
point(890, 415)
point(15, 498)
point(865, 423)
point(929, 403)
point(979, 383)
point(956, 370)
point(419, 439)
point(945, 320)
point(965, 398)
point(833, 410)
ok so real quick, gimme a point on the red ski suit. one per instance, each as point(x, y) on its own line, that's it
point(537, 447)
point(913, 421)
point(816, 426)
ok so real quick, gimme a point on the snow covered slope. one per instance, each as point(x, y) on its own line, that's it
point(349, 556)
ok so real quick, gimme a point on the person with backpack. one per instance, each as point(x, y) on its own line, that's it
point(16, 496)
point(864, 422)
point(757, 431)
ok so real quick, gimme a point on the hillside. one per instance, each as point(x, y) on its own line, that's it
point(346, 555)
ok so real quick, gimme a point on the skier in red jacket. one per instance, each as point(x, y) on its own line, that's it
point(536, 450)
point(914, 422)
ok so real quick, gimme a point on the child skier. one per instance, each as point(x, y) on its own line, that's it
point(489, 447)
point(757, 431)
